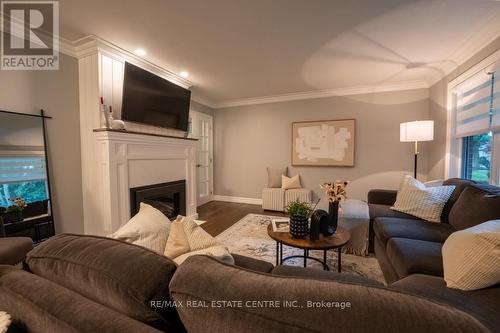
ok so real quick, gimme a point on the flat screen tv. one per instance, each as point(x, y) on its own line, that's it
point(150, 99)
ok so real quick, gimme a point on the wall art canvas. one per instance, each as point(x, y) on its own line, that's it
point(323, 143)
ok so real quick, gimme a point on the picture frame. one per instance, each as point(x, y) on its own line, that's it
point(281, 225)
point(324, 143)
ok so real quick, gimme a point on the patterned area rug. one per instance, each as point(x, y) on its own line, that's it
point(249, 237)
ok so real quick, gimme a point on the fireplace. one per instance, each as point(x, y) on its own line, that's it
point(169, 198)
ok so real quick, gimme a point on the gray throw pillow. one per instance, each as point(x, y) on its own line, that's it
point(274, 177)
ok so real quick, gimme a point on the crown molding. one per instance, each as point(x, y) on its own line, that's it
point(90, 45)
point(203, 100)
point(407, 85)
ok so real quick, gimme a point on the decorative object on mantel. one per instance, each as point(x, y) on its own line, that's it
point(299, 213)
point(415, 131)
point(323, 143)
point(335, 193)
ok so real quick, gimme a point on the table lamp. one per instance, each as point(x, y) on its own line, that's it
point(416, 131)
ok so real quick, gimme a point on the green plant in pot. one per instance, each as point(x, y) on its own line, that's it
point(299, 213)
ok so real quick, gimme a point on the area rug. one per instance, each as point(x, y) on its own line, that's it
point(249, 237)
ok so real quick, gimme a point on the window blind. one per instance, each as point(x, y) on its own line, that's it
point(21, 169)
point(495, 105)
point(473, 105)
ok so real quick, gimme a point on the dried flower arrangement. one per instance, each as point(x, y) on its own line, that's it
point(335, 191)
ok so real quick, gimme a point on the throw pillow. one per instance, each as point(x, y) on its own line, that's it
point(148, 228)
point(274, 177)
point(434, 183)
point(471, 257)
point(416, 199)
point(187, 239)
point(474, 206)
point(288, 183)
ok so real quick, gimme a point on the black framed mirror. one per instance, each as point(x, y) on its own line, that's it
point(25, 195)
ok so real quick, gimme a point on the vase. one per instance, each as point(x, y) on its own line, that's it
point(299, 226)
point(317, 218)
point(329, 227)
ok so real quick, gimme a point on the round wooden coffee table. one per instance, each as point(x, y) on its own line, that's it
point(340, 238)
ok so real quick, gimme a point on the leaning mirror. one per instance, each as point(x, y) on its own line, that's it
point(25, 205)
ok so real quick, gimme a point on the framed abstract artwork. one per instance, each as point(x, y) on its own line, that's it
point(323, 143)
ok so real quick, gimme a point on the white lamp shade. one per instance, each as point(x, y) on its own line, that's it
point(413, 131)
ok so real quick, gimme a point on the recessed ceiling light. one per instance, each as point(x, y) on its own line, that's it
point(140, 52)
point(184, 74)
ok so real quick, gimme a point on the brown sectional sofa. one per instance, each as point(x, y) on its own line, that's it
point(74, 283)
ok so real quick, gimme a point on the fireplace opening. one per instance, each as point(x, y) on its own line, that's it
point(169, 198)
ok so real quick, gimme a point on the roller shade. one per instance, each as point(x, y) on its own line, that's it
point(17, 169)
point(473, 105)
point(495, 109)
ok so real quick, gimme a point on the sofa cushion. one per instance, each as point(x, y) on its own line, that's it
point(410, 256)
point(122, 276)
point(474, 206)
point(482, 304)
point(386, 228)
point(274, 176)
point(40, 305)
point(460, 185)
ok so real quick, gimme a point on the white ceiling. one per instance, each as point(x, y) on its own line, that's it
point(241, 49)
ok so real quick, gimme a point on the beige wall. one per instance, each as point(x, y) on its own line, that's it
point(57, 93)
point(250, 138)
point(438, 112)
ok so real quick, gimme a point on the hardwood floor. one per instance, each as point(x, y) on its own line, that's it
point(221, 215)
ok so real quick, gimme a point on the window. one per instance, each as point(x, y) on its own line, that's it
point(474, 136)
point(22, 176)
point(476, 158)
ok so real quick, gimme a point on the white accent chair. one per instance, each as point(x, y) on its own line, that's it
point(277, 199)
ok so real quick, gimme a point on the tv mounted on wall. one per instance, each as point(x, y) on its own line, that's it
point(150, 99)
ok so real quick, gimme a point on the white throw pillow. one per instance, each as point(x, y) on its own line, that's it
point(148, 228)
point(288, 183)
point(187, 238)
point(416, 199)
point(471, 257)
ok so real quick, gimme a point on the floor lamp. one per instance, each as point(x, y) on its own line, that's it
point(416, 131)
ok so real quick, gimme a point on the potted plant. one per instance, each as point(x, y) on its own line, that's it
point(299, 213)
point(335, 193)
point(14, 213)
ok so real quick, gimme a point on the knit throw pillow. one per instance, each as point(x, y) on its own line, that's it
point(187, 239)
point(427, 203)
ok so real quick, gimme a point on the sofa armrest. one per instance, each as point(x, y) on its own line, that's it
point(382, 197)
point(39, 305)
point(252, 264)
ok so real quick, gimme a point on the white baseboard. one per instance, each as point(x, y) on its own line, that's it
point(251, 201)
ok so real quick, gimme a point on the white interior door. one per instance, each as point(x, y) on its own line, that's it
point(201, 129)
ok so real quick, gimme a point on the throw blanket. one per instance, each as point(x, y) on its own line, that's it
point(355, 217)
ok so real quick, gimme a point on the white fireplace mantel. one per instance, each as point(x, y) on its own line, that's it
point(128, 160)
